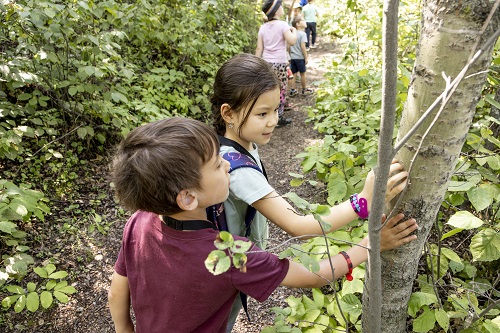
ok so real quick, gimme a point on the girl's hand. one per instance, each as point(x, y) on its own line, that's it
point(395, 184)
point(396, 233)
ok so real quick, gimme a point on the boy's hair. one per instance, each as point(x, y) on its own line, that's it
point(296, 21)
point(158, 160)
point(240, 82)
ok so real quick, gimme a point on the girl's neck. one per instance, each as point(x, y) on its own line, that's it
point(245, 144)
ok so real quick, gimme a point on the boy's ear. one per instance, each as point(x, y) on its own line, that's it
point(186, 200)
point(226, 113)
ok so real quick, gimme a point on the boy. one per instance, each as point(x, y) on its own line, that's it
point(169, 171)
point(298, 55)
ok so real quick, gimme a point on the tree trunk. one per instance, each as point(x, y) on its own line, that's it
point(449, 33)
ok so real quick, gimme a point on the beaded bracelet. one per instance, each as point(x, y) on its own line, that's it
point(348, 276)
point(360, 206)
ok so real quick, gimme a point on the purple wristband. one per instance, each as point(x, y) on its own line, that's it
point(359, 205)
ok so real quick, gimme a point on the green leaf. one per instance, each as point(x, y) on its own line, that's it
point(24, 97)
point(450, 254)
point(485, 245)
point(465, 220)
point(351, 305)
point(479, 197)
point(241, 246)
point(63, 298)
point(72, 91)
point(32, 302)
point(51, 284)
point(425, 322)
point(337, 188)
point(7, 227)
point(311, 315)
point(318, 297)
point(451, 233)
point(224, 241)
point(58, 275)
point(15, 289)
point(31, 286)
point(67, 290)
point(18, 208)
point(46, 299)
point(82, 132)
point(240, 261)
point(218, 262)
point(20, 304)
point(442, 319)
point(417, 300)
point(50, 268)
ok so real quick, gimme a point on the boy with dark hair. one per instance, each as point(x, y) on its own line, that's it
point(298, 57)
point(170, 171)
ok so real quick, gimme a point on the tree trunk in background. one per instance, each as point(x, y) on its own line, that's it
point(449, 32)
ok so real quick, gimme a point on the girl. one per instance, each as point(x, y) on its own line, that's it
point(271, 46)
point(244, 106)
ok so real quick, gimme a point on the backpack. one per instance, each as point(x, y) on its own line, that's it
point(215, 213)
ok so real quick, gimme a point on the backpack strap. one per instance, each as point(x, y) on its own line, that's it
point(237, 161)
point(230, 143)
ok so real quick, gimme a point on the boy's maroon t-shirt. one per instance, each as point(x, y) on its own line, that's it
point(170, 287)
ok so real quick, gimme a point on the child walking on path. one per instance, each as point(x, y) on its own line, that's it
point(271, 46)
point(298, 57)
point(244, 102)
point(169, 172)
point(311, 15)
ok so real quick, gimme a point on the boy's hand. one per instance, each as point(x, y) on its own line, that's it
point(395, 234)
point(395, 184)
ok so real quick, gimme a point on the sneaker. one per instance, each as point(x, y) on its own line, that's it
point(313, 46)
point(282, 121)
point(288, 106)
point(308, 49)
point(293, 93)
point(307, 91)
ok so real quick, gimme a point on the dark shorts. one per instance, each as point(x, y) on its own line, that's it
point(298, 65)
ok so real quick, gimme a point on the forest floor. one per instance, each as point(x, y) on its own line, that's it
point(83, 233)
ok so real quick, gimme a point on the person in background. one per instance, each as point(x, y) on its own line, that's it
point(311, 14)
point(273, 37)
point(298, 58)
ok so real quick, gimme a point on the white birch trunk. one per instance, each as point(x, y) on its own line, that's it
point(449, 32)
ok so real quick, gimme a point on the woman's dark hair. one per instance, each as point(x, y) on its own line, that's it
point(158, 160)
point(239, 82)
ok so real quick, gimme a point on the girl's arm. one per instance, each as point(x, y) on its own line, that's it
point(304, 51)
point(290, 35)
point(393, 235)
point(281, 213)
point(119, 304)
point(260, 47)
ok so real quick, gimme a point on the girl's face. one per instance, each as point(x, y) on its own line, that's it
point(261, 121)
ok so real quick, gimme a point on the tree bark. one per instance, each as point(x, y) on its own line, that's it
point(450, 30)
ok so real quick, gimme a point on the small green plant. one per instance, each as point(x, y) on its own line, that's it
point(34, 296)
point(219, 262)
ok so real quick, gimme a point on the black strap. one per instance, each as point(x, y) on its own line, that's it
point(228, 142)
point(188, 225)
